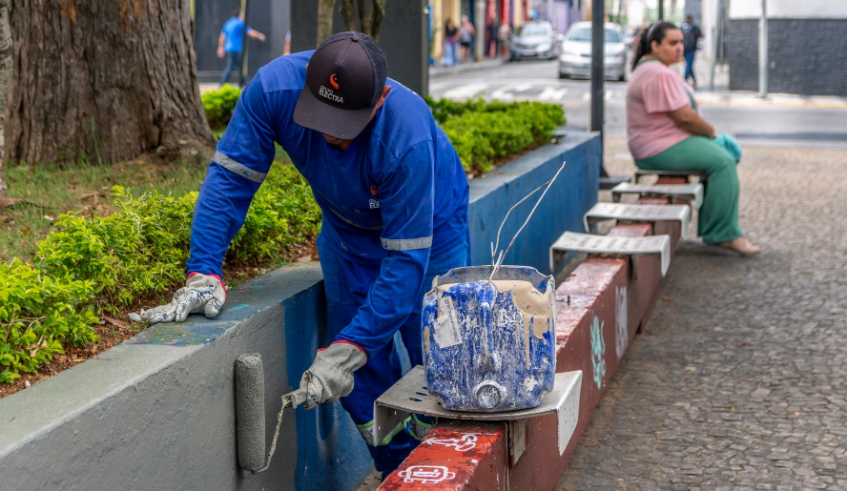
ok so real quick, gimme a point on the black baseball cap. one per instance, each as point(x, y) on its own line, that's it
point(344, 81)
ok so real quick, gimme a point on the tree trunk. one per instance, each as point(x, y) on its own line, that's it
point(325, 13)
point(370, 20)
point(103, 80)
point(5, 70)
point(377, 16)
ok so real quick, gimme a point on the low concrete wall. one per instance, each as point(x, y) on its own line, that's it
point(573, 194)
point(157, 412)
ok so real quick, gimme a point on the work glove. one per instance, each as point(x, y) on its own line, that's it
point(331, 375)
point(202, 293)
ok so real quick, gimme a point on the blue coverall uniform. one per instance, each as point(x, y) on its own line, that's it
point(394, 216)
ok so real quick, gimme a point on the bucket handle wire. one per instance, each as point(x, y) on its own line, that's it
point(494, 246)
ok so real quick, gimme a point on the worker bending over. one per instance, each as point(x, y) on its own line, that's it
point(394, 199)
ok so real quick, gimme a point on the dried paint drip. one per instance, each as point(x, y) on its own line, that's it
point(489, 345)
point(537, 308)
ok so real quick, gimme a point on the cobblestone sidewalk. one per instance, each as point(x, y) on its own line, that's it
point(738, 382)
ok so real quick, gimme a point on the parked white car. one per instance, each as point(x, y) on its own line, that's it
point(575, 54)
point(534, 39)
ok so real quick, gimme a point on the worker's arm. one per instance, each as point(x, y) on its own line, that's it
point(688, 119)
point(406, 192)
point(238, 167)
point(240, 164)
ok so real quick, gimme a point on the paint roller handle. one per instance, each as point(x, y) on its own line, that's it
point(294, 399)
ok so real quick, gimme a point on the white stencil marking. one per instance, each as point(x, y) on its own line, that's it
point(426, 474)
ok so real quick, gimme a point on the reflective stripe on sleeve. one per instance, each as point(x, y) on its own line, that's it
point(238, 168)
point(406, 244)
point(366, 430)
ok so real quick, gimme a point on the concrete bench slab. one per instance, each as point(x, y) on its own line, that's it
point(693, 192)
point(638, 213)
point(671, 173)
point(599, 244)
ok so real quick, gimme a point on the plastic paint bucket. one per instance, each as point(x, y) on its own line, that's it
point(489, 345)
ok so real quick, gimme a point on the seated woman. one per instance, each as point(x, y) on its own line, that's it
point(665, 132)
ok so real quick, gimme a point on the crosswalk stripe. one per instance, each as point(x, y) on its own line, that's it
point(551, 94)
point(465, 91)
point(606, 96)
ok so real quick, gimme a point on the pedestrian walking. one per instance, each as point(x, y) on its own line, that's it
point(394, 202)
point(666, 132)
point(451, 41)
point(230, 42)
point(691, 33)
point(466, 37)
point(491, 31)
point(504, 35)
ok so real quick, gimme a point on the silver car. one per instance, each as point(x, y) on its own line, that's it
point(533, 40)
point(575, 55)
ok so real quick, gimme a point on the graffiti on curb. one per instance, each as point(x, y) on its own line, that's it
point(426, 474)
point(621, 331)
point(463, 444)
point(598, 351)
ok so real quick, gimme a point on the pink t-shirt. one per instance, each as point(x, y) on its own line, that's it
point(654, 90)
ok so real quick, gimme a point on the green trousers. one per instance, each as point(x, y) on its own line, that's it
point(718, 219)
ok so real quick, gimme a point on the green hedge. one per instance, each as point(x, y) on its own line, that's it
point(90, 264)
point(483, 133)
point(219, 105)
point(486, 132)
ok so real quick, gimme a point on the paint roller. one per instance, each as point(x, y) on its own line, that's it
point(250, 413)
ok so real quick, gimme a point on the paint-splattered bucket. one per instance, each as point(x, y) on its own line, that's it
point(489, 346)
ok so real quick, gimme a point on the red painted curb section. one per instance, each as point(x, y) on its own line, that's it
point(457, 459)
point(599, 308)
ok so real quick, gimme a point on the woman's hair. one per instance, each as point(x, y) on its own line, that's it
point(656, 32)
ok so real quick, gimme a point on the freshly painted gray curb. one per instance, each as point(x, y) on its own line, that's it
point(158, 411)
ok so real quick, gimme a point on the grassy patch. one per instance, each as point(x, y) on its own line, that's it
point(80, 187)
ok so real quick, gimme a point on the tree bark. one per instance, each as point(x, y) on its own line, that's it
point(377, 16)
point(5, 71)
point(103, 80)
point(348, 13)
point(370, 22)
point(364, 18)
point(325, 13)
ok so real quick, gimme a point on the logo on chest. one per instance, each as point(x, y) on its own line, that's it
point(374, 204)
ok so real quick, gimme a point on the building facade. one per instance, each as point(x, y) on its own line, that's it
point(512, 12)
point(806, 46)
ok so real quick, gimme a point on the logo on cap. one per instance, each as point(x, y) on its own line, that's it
point(333, 81)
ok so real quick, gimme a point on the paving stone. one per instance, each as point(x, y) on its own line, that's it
point(739, 380)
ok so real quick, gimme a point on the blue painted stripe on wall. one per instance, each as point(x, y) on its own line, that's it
point(331, 453)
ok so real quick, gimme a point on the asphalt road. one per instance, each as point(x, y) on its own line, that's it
point(771, 125)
